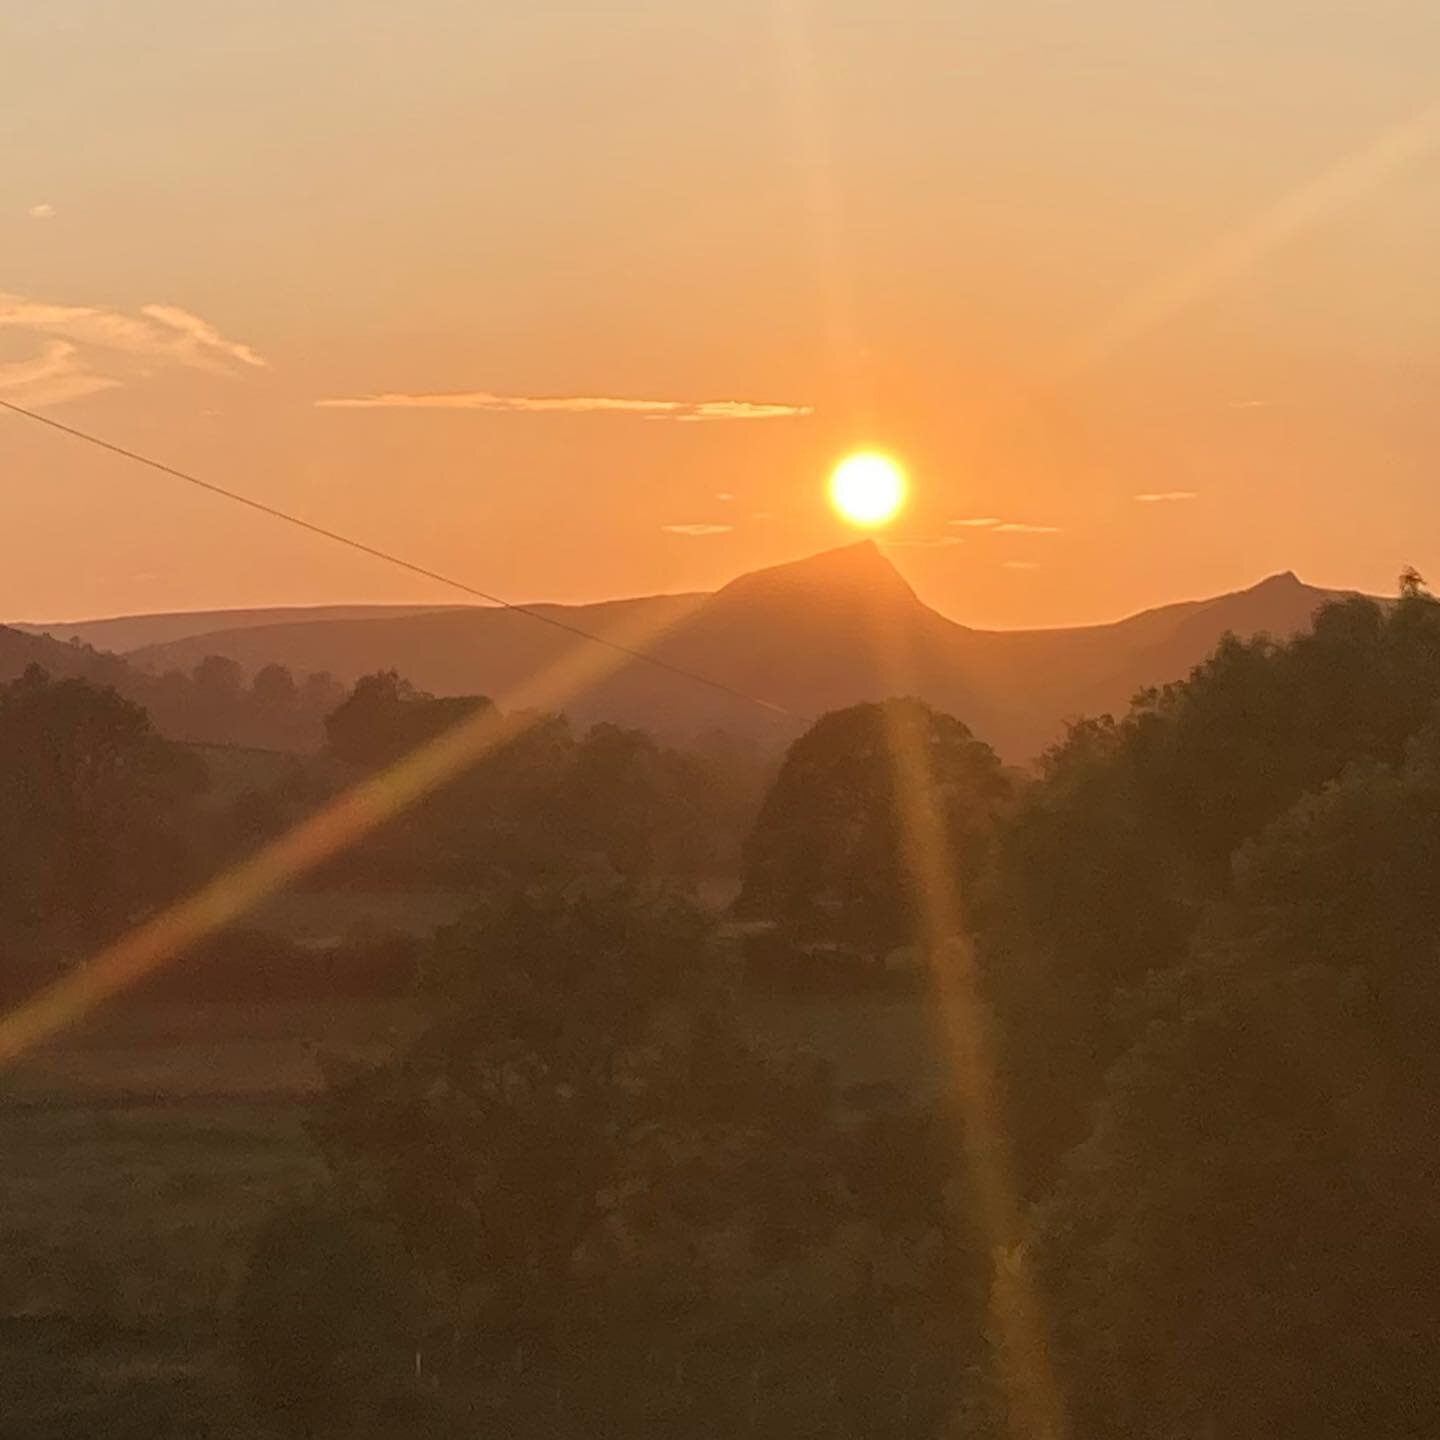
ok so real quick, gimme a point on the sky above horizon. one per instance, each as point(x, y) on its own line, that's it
point(574, 300)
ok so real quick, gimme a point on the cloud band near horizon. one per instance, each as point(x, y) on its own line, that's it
point(681, 411)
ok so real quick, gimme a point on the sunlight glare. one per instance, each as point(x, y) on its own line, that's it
point(867, 489)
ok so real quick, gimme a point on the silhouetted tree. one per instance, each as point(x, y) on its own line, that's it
point(385, 718)
point(828, 854)
point(94, 808)
point(647, 809)
point(274, 687)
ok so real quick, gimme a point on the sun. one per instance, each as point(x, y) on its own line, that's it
point(867, 489)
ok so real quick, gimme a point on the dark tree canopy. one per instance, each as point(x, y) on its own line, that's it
point(1213, 950)
point(588, 1152)
point(1249, 1241)
point(1128, 838)
point(827, 856)
point(544, 801)
point(646, 808)
point(93, 808)
point(384, 718)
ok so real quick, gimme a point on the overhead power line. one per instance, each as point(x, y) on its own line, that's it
point(390, 558)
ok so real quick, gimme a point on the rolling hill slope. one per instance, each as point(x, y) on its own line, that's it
point(809, 636)
point(131, 632)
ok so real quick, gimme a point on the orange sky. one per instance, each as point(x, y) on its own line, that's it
point(1053, 256)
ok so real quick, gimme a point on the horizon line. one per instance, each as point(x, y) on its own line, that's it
point(422, 606)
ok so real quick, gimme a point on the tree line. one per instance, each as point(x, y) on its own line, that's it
point(103, 819)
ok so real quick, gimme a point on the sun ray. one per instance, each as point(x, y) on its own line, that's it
point(355, 814)
point(1295, 214)
point(1034, 1406)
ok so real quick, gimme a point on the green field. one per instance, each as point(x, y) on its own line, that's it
point(127, 1229)
point(141, 1155)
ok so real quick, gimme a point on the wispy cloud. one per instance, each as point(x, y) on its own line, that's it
point(979, 523)
point(924, 542)
point(697, 529)
point(1021, 565)
point(86, 348)
point(725, 495)
point(42, 211)
point(484, 400)
point(53, 376)
point(1251, 404)
point(1165, 497)
point(203, 343)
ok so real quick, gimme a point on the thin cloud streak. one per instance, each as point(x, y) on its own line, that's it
point(1165, 497)
point(42, 211)
point(1018, 527)
point(924, 542)
point(981, 522)
point(483, 400)
point(697, 529)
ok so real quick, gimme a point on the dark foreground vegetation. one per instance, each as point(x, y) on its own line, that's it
point(608, 1158)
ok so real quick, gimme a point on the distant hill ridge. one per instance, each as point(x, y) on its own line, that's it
point(121, 633)
point(829, 630)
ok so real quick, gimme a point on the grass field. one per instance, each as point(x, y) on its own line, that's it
point(127, 1227)
point(141, 1155)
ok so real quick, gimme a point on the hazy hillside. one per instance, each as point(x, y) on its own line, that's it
point(1041, 678)
point(809, 636)
point(464, 650)
point(19, 649)
point(131, 632)
point(201, 707)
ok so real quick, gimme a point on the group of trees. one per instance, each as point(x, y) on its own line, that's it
point(212, 703)
point(547, 801)
point(1214, 949)
point(1209, 933)
point(588, 1199)
point(587, 1196)
point(102, 818)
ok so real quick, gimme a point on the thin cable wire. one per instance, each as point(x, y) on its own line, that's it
point(389, 558)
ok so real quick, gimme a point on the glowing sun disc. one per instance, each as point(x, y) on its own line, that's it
point(867, 489)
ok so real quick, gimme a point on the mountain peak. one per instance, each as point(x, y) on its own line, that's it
point(1281, 580)
point(847, 573)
